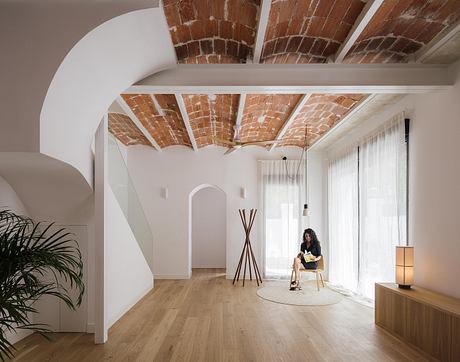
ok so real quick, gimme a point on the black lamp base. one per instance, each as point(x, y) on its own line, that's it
point(403, 286)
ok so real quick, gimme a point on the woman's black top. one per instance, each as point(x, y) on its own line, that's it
point(315, 250)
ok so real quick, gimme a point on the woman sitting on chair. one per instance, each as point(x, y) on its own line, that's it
point(311, 245)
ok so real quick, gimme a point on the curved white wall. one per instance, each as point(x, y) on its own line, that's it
point(35, 36)
point(101, 66)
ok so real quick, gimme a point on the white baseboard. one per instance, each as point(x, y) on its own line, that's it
point(172, 276)
point(90, 328)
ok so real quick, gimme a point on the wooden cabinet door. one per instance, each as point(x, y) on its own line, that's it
point(455, 339)
point(390, 311)
point(429, 329)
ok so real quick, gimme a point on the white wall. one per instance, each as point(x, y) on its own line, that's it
point(54, 191)
point(67, 52)
point(434, 183)
point(434, 196)
point(128, 275)
point(11, 201)
point(182, 170)
point(209, 228)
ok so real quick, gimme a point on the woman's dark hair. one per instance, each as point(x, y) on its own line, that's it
point(313, 237)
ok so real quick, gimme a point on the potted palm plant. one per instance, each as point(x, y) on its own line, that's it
point(35, 260)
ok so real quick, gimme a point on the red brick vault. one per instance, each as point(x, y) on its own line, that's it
point(212, 31)
point(307, 31)
point(211, 116)
point(400, 28)
point(288, 32)
point(122, 127)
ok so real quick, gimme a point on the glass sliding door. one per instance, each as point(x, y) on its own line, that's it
point(282, 193)
point(368, 209)
point(382, 175)
point(343, 220)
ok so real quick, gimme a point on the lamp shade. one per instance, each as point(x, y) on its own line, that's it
point(305, 210)
point(405, 266)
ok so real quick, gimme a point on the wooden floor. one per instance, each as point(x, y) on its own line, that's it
point(206, 318)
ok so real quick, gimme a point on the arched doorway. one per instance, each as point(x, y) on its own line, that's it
point(207, 227)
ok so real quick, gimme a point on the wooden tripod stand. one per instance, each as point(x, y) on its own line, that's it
point(247, 253)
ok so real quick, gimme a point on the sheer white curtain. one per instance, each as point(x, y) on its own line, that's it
point(382, 175)
point(343, 219)
point(282, 199)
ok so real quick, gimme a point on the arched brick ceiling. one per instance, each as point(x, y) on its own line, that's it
point(400, 28)
point(211, 115)
point(161, 116)
point(212, 31)
point(265, 114)
point(320, 113)
point(123, 128)
point(307, 31)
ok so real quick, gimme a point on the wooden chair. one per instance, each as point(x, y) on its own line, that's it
point(318, 271)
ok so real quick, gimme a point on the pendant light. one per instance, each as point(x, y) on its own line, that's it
point(305, 206)
point(303, 154)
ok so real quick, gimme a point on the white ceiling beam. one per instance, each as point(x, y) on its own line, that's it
point(297, 79)
point(239, 115)
point(437, 42)
point(183, 111)
point(262, 27)
point(361, 104)
point(361, 22)
point(127, 109)
point(290, 120)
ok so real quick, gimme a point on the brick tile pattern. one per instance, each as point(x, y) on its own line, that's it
point(212, 31)
point(265, 114)
point(307, 31)
point(400, 28)
point(161, 116)
point(123, 128)
point(211, 115)
point(320, 114)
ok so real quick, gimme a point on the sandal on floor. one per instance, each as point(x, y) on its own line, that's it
point(295, 286)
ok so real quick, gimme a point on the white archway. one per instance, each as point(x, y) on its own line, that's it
point(105, 62)
point(190, 199)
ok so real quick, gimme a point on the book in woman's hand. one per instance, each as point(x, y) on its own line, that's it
point(309, 257)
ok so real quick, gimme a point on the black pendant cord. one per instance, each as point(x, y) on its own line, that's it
point(303, 154)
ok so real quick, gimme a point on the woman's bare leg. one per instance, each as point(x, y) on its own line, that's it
point(296, 267)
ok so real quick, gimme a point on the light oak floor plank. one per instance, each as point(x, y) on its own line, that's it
point(207, 318)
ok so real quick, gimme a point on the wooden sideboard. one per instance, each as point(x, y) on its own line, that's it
point(427, 320)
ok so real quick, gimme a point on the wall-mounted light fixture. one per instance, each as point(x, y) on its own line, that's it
point(243, 192)
point(405, 266)
point(165, 192)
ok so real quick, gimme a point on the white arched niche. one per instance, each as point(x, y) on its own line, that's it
point(207, 227)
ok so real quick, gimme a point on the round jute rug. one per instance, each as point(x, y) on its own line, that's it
point(279, 292)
